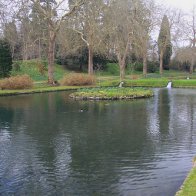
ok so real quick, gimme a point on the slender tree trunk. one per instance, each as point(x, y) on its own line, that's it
point(40, 56)
point(25, 57)
point(122, 70)
point(121, 62)
point(192, 65)
point(144, 65)
point(90, 60)
point(51, 49)
point(13, 51)
point(161, 62)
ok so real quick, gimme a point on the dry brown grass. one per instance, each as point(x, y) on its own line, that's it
point(135, 77)
point(78, 79)
point(17, 82)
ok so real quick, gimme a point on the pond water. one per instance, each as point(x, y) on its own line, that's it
point(48, 146)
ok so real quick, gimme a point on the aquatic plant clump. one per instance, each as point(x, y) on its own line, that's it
point(111, 93)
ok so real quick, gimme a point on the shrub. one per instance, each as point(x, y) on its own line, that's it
point(138, 66)
point(16, 66)
point(135, 77)
point(77, 79)
point(17, 82)
point(112, 68)
point(5, 59)
point(152, 66)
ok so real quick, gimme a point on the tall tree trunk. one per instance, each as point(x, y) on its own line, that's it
point(161, 62)
point(90, 60)
point(144, 65)
point(40, 56)
point(192, 65)
point(51, 49)
point(122, 71)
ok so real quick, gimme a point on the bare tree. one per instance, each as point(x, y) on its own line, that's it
point(143, 25)
point(119, 23)
point(54, 13)
point(191, 37)
point(88, 23)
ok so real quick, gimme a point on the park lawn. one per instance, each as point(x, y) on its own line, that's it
point(136, 83)
point(189, 186)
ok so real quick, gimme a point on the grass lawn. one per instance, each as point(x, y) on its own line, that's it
point(38, 89)
point(189, 186)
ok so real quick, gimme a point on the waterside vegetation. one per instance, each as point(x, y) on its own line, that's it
point(189, 186)
point(111, 93)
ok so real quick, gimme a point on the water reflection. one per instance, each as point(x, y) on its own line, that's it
point(47, 146)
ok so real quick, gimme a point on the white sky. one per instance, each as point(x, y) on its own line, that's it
point(185, 5)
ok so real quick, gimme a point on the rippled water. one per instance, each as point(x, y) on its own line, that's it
point(142, 147)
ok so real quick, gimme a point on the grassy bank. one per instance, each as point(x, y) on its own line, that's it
point(37, 70)
point(189, 186)
point(107, 78)
point(40, 87)
point(151, 82)
point(111, 93)
point(37, 90)
point(136, 83)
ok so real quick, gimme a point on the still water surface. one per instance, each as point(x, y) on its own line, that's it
point(142, 147)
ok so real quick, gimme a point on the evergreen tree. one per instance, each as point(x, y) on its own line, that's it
point(164, 44)
point(5, 58)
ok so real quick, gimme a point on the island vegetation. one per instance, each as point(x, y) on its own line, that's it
point(111, 93)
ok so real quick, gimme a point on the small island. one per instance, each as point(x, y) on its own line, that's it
point(114, 93)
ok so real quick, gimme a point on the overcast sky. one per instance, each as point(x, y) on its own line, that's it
point(185, 5)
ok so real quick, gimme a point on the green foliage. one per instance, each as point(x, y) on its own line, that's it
point(16, 66)
point(167, 56)
point(164, 42)
point(5, 59)
point(77, 79)
point(138, 66)
point(151, 66)
point(112, 69)
point(112, 93)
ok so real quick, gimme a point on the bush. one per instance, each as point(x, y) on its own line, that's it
point(112, 68)
point(5, 59)
point(16, 66)
point(138, 66)
point(77, 79)
point(152, 66)
point(17, 82)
